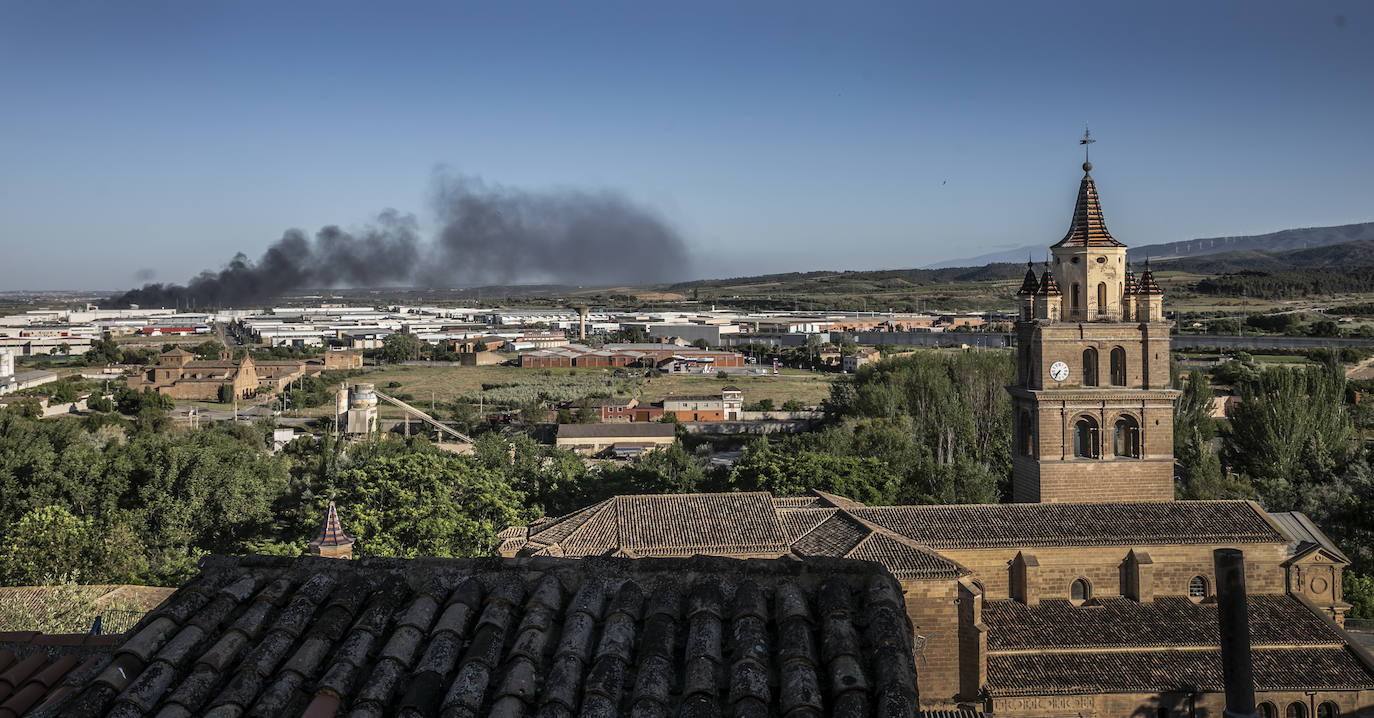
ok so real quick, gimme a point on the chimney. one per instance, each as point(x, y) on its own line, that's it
point(332, 542)
point(1025, 579)
point(582, 322)
point(1139, 569)
point(1233, 614)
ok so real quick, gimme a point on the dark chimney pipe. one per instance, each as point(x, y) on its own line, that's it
point(1233, 614)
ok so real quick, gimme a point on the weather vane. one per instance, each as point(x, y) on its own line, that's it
point(1087, 140)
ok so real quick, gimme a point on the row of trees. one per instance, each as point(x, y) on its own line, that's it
point(1294, 442)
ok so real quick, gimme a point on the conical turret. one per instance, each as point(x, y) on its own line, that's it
point(332, 542)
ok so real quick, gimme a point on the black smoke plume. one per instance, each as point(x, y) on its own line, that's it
point(488, 235)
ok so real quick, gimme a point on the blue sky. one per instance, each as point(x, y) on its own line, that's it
point(775, 136)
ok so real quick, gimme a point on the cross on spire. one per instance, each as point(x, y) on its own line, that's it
point(1086, 141)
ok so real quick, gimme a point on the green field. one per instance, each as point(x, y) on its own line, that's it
point(446, 384)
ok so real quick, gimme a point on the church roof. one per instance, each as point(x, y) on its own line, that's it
point(176, 352)
point(666, 525)
point(1148, 285)
point(1169, 644)
point(278, 636)
point(754, 523)
point(331, 534)
point(972, 526)
point(731, 524)
point(1029, 284)
point(1132, 286)
point(1088, 228)
point(1048, 286)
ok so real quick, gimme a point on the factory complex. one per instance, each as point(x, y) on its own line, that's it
point(546, 334)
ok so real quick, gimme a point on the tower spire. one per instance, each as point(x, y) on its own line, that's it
point(1086, 142)
point(332, 542)
point(1088, 227)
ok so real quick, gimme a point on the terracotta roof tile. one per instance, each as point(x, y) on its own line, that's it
point(659, 525)
point(1166, 621)
point(835, 536)
point(1171, 671)
point(1089, 227)
point(797, 522)
point(533, 636)
point(1104, 524)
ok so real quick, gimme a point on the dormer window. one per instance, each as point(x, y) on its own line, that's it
point(1197, 588)
point(1079, 591)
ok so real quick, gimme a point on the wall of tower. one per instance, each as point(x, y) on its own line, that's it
point(1087, 268)
point(1130, 386)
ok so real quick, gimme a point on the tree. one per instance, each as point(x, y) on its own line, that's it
point(480, 346)
point(226, 393)
point(208, 349)
point(47, 545)
point(1359, 592)
point(862, 479)
point(426, 504)
point(62, 392)
point(701, 344)
point(399, 346)
point(1291, 429)
point(103, 351)
point(29, 407)
point(793, 405)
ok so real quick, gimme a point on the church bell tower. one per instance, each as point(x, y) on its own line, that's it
point(1092, 408)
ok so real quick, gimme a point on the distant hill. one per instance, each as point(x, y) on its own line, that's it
point(1343, 256)
point(1288, 239)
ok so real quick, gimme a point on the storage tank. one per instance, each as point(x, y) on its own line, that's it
point(364, 397)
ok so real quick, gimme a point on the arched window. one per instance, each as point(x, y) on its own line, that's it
point(1080, 590)
point(1118, 361)
point(1027, 435)
point(1090, 367)
point(1077, 303)
point(1197, 588)
point(1296, 710)
point(1268, 710)
point(1085, 438)
point(1126, 438)
point(1328, 710)
point(1101, 297)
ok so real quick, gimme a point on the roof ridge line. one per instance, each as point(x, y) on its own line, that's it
point(813, 528)
point(904, 540)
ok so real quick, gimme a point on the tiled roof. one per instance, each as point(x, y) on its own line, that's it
point(668, 525)
point(38, 668)
point(1104, 524)
point(1302, 669)
point(730, 524)
point(835, 536)
point(798, 502)
point(331, 534)
point(1088, 228)
point(1171, 643)
point(797, 522)
point(1131, 285)
point(541, 637)
point(1148, 285)
point(1048, 286)
point(1275, 620)
point(1029, 284)
point(72, 609)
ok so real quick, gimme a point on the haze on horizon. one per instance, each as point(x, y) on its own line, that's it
point(149, 141)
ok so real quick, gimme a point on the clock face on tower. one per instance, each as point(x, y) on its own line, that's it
point(1059, 371)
